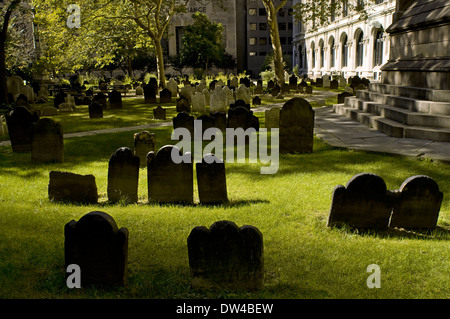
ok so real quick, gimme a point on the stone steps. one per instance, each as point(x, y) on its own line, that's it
point(411, 92)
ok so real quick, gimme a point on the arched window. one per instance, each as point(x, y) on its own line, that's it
point(378, 47)
point(332, 52)
point(344, 52)
point(313, 54)
point(322, 54)
point(300, 56)
point(359, 49)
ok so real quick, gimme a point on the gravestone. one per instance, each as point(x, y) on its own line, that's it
point(239, 117)
point(296, 127)
point(60, 98)
point(229, 94)
point(326, 81)
point(20, 127)
point(293, 82)
point(272, 118)
point(239, 103)
point(319, 82)
point(150, 93)
point(187, 91)
point(226, 257)
point(256, 100)
point(207, 122)
point(115, 100)
point(212, 85)
point(183, 105)
point(185, 120)
point(169, 182)
point(101, 99)
point(218, 100)
point(172, 85)
point(139, 90)
point(165, 96)
point(341, 97)
point(49, 111)
point(159, 113)
point(123, 176)
point(70, 187)
point(275, 90)
point(258, 90)
point(364, 203)
point(99, 248)
point(47, 141)
point(220, 120)
point(300, 89)
point(308, 90)
point(211, 180)
point(198, 102)
point(207, 97)
point(234, 82)
point(95, 110)
point(417, 204)
point(342, 81)
point(334, 85)
point(270, 84)
point(243, 93)
point(144, 142)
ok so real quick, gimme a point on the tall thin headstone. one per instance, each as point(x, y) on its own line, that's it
point(47, 141)
point(123, 176)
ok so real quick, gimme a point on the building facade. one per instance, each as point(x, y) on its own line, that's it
point(246, 34)
point(348, 45)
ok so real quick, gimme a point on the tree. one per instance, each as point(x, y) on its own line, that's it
point(272, 8)
point(202, 43)
point(3, 40)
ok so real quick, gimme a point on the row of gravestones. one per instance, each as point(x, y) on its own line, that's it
point(168, 182)
point(228, 257)
point(43, 137)
point(366, 203)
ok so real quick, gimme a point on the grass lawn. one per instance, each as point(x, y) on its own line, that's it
point(302, 257)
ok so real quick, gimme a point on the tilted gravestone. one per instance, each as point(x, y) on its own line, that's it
point(47, 141)
point(183, 105)
point(99, 248)
point(169, 182)
point(20, 127)
point(95, 110)
point(211, 180)
point(417, 203)
point(70, 187)
point(165, 96)
point(159, 113)
point(123, 176)
point(364, 203)
point(226, 257)
point(115, 100)
point(296, 127)
point(272, 118)
point(144, 142)
point(185, 120)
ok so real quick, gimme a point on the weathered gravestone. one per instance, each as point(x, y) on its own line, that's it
point(185, 120)
point(239, 117)
point(272, 118)
point(364, 203)
point(326, 81)
point(198, 102)
point(293, 82)
point(256, 100)
point(47, 141)
point(183, 105)
point(341, 97)
point(296, 127)
point(150, 93)
point(211, 180)
point(220, 120)
point(115, 100)
point(417, 203)
point(308, 89)
point(169, 182)
point(226, 257)
point(70, 187)
point(49, 111)
point(165, 96)
point(218, 100)
point(123, 176)
point(159, 113)
point(99, 248)
point(207, 97)
point(95, 110)
point(275, 90)
point(20, 127)
point(60, 98)
point(334, 85)
point(172, 85)
point(139, 90)
point(243, 93)
point(144, 142)
point(187, 91)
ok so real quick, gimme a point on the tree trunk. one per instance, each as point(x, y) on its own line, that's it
point(160, 63)
point(276, 43)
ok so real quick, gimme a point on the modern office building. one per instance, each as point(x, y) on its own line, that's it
point(246, 35)
point(348, 45)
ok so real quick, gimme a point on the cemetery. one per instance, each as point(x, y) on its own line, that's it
point(102, 197)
